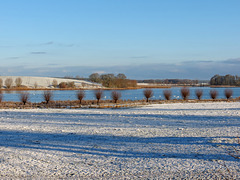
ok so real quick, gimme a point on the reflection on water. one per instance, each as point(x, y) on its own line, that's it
point(137, 94)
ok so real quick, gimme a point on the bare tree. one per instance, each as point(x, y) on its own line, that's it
point(98, 95)
point(1, 82)
point(55, 83)
point(24, 97)
point(8, 82)
point(167, 94)
point(80, 95)
point(148, 93)
point(185, 92)
point(228, 93)
point(47, 95)
point(199, 93)
point(116, 96)
point(213, 94)
point(1, 96)
point(35, 85)
point(18, 82)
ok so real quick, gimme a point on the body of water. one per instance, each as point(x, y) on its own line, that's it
point(136, 94)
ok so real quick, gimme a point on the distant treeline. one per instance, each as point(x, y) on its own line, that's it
point(169, 81)
point(225, 80)
point(112, 81)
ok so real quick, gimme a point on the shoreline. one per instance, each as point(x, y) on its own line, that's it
point(104, 104)
point(105, 88)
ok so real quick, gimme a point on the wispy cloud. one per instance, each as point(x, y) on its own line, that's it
point(5, 46)
point(47, 43)
point(53, 64)
point(53, 43)
point(139, 57)
point(193, 70)
point(232, 61)
point(38, 52)
point(194, 62)
point(14, 57)
point(66, 45)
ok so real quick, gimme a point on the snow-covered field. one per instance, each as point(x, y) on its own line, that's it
point(44, 82)
point(156, 142)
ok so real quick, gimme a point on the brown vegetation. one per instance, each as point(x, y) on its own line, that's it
point(47, 95)
point(112, 81)
point(228, 93)
point(1, 96)
point(148, 93)
point(35, 85)
point(225, 80)
point(55, 83)
point(63, 85)
point(199, 93)
point(24, 97)
point(8, 83)
point(185, 92)
point(18, 82)
point(1, 83)
point(116, 96)
point(67, 85)
point(98, 95)
point(213, 94)
point(167, 94)
point(104, 103)
point(80, 95)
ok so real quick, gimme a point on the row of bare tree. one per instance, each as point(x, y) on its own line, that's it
point(25, 96)
point(116, 95)
point(48, 96)
point(185, 93)
point(9, 82)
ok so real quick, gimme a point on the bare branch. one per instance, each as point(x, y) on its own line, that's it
point(98, 95)
point(185, 92)
point(80, 95)
point(24, 97)
point(148, 93)
point(167, 94)
point(116, 96)
point(47, 95)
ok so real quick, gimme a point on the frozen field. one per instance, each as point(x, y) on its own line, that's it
point(156, 142)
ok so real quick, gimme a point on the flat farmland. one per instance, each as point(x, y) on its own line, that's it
point(181, 140)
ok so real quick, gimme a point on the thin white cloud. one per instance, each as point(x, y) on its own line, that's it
point(38, 52)
point(193, 70)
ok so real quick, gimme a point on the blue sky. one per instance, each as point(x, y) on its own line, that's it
point(142, 38)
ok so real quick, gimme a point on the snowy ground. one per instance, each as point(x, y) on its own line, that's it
point(156, 142)
point(44, 82)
